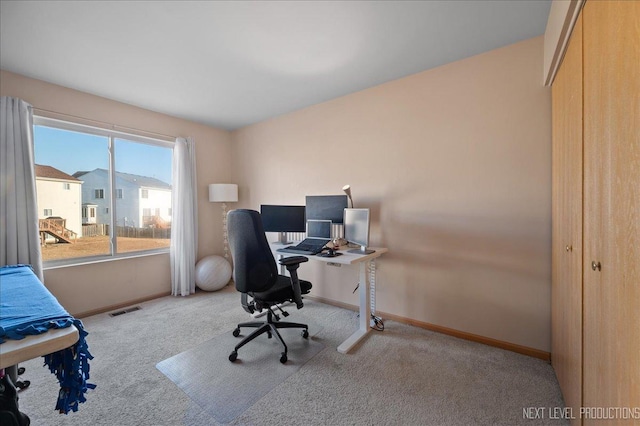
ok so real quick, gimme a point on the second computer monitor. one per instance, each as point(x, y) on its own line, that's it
point(326, 207)
point(356, 229)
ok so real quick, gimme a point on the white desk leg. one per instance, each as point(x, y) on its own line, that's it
point(365, 312)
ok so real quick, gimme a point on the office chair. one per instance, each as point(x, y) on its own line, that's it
point(256, 276)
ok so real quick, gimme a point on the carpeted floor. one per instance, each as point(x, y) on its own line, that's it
point(402, 376)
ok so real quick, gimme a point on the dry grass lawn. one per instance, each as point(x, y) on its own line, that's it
point(95, 246)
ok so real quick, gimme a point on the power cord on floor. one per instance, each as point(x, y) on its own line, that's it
point(378, 324)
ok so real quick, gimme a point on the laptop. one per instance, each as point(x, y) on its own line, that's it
point(318, 235)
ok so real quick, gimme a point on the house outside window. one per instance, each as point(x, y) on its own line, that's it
point(107, 172)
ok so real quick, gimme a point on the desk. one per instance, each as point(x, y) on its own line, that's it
point(364, 293)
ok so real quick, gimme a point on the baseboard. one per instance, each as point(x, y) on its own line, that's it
point(120, 305)
point(536, 353)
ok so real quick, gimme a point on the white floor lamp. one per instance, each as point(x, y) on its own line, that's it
point(224, 193)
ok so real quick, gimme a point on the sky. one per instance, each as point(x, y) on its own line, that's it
point(71, 152)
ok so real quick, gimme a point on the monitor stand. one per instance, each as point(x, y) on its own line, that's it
point(361, 250)
point(282, 238)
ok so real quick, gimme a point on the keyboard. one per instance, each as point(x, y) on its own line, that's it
point(306, 246)
point(301, 249)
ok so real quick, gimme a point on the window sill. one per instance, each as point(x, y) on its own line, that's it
point(68, 263)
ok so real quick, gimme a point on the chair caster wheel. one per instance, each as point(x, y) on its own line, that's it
point(233, 356)
point(305, 333)
point(236, 332)
point(283, 357)
point(269, 335)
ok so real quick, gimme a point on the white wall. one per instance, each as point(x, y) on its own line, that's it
point(455, 165)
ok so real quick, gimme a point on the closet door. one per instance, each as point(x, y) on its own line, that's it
point(611, 204)
point(566, 289)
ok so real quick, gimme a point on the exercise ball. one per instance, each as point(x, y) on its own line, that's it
point(212, 273)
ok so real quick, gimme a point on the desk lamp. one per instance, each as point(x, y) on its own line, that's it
point(224, 193)
point(347, 190)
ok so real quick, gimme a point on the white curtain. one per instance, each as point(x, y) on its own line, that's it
point(19, 239)
point(184, 212)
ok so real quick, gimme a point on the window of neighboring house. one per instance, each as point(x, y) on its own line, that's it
point(145, 193)
point(105, 162)
point(66, 186)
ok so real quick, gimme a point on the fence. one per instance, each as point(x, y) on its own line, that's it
point(131, 232)
point(95, 230)
point(100, 229)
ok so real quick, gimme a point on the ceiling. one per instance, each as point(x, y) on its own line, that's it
point(229, 64)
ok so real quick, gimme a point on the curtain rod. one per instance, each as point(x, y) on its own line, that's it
point(105, 124)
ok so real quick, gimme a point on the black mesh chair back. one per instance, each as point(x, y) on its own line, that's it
point(254, 265)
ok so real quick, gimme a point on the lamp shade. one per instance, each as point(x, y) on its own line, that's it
point(223, 192)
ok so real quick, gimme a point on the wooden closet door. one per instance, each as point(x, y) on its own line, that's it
point(611, 205)
point(566, 288)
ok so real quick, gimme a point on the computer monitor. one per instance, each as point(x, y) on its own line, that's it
point(283, 219)
point(326, 207)
point(356, 229)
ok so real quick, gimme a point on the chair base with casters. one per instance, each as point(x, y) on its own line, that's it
point(271, 328)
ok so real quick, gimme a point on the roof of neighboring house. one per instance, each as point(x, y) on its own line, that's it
point(144, 181)
point(49, 172)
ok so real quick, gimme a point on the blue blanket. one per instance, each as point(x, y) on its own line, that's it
point(28, 308)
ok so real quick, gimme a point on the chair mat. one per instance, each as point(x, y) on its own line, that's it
point(226, 390)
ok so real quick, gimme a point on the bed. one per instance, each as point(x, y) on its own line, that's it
point(33, 324)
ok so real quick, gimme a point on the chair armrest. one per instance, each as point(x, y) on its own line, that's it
point(292, 264)
point(286, 261)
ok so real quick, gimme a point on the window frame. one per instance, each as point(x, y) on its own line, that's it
point(112, 135)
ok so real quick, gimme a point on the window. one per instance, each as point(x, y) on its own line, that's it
point(145, 193)
point(107, 164)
